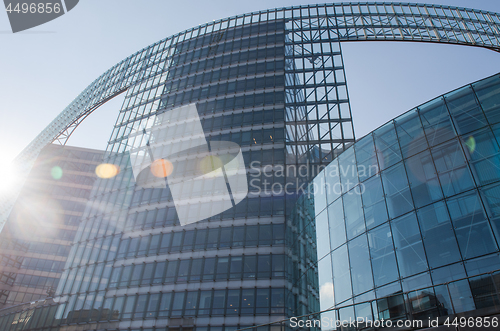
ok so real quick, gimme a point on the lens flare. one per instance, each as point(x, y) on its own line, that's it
point(9, 177)
point(161, 168)
point(56, 172)
point(210, 163)
point(471, 144)
point(107, 170)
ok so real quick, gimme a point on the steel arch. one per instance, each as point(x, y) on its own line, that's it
point(305, 26)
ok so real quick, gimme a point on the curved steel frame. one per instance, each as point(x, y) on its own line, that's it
point(142, 74)
point(306, 24)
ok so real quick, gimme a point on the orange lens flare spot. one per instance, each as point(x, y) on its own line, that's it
point(107, 170)
point(161, 168)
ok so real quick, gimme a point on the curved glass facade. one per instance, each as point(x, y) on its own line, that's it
point(412, 206)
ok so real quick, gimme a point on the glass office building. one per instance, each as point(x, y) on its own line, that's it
point(37, 237)
point(407, 217)
point(192, 226)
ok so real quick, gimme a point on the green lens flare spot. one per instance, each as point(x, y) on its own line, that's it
point(471, 144)
point(56, 172)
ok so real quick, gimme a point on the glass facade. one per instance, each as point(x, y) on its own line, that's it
point(37, 237)
point(406, 217)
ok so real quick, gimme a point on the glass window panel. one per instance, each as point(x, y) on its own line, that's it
point(341, 274)
point(410, 133)
point(397, 191)
point(222, 267)
point(333, 187)
point(191, 303)
point(171, 271)
point(436, 122)
point(124, 279)
point(250, 267)
point(238, 236)
point(465, 111)
point(264, 266)
point(196, 266)
point(148, 274)
point(472, 228)
point(488, 93)
point(322, 237)
point(348, 169)
point(366, 157)
point(233, 302)
point(353, 213)
point(451, 167)
point(140, 306)
point(387, 146)
point(319, 197)
point(262, 301)
point(219, 302)
point(361, 275)
point(152, 304)
point(265, 234)
point(209, 269)
point(164, 310)
point(337, 225)
point(136, 275)
point(159, 272)
point(178, 303)
point(384, 265)
point(182, 273)
point(483, 149)
point(424, 184)
point(408, 244)
point(438, 236)
point(205, 303)
point(236, 267)
point(373, 202)
point(247, 301)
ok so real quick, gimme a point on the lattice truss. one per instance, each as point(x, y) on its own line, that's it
point(317, 105)
point(316, 97)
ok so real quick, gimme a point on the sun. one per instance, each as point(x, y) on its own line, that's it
point(9, 178)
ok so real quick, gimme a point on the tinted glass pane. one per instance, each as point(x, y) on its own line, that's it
point(336, 222)
point(397, 191)
point(424, 184)
point(465, 111)
point(374, 202)
point(353, 214)
point(386, 142)
point(366, 158)
point(411, 134)
point(341, 274)
point(472, 228)
point(436, 122)
point(488, 93)
point(361, 274)
point(453, 173)
point(408, 243)
point(438, 236)
point(383, 258)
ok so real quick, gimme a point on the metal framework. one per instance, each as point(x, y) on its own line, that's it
point(316, 90)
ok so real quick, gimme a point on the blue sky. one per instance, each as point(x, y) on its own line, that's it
point(45, 68)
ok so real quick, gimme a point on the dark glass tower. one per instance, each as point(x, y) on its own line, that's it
point(135, 262)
